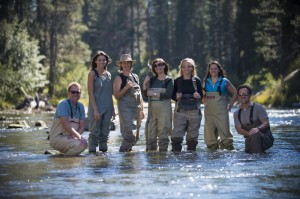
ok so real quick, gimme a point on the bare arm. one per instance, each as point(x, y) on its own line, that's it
point(118, 92)
point(233, 91)
point(240, 130)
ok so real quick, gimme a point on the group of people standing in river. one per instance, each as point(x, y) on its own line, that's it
point(163, 125)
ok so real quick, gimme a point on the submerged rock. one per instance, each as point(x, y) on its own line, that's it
point(40, 123)
point(19, 124)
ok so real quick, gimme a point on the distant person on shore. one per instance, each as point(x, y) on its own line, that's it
point(250, 120)
point(158, 89)
point(130, 103)
point(101, 108)
point(68, 124)
point(187, 114)
point(217, 134)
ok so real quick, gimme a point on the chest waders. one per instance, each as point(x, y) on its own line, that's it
point(62, 140)
point(159, 123)
point(253, 142)
point(216, 126)
point(99, 130)
point(129, 106)
point(187, 120)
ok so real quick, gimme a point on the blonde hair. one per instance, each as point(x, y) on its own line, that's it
point(74, 84)
point(192, 62)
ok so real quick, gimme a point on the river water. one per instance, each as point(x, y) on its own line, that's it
point(26, 172)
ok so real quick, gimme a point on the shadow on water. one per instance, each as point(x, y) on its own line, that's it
point(25, 172)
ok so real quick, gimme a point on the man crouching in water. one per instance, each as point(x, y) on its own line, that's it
point(68, 124)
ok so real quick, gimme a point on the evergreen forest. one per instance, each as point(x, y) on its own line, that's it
point(46, 44)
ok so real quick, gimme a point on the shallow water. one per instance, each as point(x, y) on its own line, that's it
point(25, 172)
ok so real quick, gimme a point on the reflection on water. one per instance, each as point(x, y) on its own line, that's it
point(25, 172)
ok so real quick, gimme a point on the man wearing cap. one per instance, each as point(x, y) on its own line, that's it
point(130, 104)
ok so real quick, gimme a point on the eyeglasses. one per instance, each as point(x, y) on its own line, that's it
point(243, 95)
point(75, 92)
point(158, 65)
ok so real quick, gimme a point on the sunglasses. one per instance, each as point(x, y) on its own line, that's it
point(243, 94)
point(75, 92)
point(158, 65)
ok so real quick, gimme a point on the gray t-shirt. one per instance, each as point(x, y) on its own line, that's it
point(259, 113)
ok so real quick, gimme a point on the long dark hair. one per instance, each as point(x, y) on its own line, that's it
point(98, 53)
point(220, 74)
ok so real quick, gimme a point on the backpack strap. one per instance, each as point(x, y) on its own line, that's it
point(135, 78)
point(194, 84)
point(219, 86)
point(166, 82)
point(152, 80)
point(251, 114)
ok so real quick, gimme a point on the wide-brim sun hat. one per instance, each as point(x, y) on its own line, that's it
point(125, 57)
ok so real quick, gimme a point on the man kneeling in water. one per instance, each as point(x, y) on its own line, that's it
point(68, 124)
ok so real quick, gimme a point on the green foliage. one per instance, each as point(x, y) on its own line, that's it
point(241, 35)
point(20, 62)
point(73, 57)
point(266, 89)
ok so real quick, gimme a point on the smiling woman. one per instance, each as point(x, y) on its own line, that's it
point(130, 104)
point(158, 91)
point(187, 114)
point(217, 88)
point(101, 109)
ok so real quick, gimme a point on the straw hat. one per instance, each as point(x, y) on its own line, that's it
point(125, 57)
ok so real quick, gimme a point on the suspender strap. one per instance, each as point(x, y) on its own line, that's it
point(251, 114)
point(96, 72)
point(219, 86)
point(71, 109)
point(194, 84)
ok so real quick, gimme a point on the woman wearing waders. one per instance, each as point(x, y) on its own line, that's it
point(187, 115)
point(217, 134)
point(130, 104)
point(158, 90)
point(101, 108)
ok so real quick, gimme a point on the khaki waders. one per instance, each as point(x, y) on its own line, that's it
point(217, 133)
point(64, 142)
point(158, 125)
